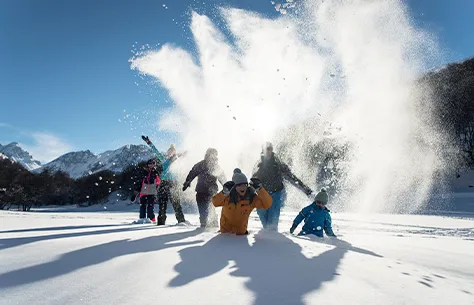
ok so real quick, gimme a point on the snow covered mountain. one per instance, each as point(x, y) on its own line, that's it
point(15, 153)
point(81, 163)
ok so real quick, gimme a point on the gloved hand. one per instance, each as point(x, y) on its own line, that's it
point(308, 192)
point(134, 196)
point(292, 229)
point(227, 187)
point(146, 139)
point(186, 184)
point(256, 183)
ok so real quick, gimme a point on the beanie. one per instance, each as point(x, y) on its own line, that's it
point(322, 197)
point(238, 177)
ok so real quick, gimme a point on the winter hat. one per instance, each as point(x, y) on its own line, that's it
point(210, 153)
point(238, 177)
point(171, 151)
point(322, 197)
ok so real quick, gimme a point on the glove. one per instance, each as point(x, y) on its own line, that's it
point(227, 187)
point(308, 192)
point(256, 183)
point(292, 229)
point(134, 196)
point(186, 185)
point(146, 139)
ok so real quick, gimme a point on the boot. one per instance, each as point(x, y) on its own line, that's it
point(161, 221)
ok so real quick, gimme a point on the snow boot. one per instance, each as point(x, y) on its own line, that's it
point(161, 221)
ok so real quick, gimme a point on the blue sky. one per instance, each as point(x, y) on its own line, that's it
point(65, 79)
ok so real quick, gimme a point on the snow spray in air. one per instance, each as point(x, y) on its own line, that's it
point(351, 65)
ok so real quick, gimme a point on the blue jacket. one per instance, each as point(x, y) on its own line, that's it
point(166, 175)
point(315, 219)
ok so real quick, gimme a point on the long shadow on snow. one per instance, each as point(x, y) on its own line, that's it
point(19, 241)
point(277, 270)
point(61, 228)
point(94, 255)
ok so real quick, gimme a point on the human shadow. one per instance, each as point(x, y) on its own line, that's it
point(64, 228)
point(202, 261)
point(6, 243)
point(277, 270)
point(94, 255)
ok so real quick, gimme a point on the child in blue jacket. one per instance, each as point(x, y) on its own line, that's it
point(316, 217)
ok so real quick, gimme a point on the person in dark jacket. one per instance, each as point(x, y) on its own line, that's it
point(316, 217)
point(147, 190)
point(208, 173)
point(271, 172)
point(169, 189)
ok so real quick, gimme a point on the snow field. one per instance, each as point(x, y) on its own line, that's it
point(100, 258)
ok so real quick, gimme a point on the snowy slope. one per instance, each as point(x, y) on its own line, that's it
point(2, 156)
point(99, 258)
point(81, 163)
point(15, 153)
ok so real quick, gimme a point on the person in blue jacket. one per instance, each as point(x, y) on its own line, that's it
point(168, 190)
point(316, 217)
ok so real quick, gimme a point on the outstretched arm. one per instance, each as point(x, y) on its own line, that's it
point(179, 155)
point(195, 171)
point(299, 218)
point(293, 179)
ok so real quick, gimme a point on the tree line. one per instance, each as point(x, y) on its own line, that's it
point(451, 104)
point(24, 189)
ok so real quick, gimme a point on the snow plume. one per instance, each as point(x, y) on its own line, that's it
point(352, 63)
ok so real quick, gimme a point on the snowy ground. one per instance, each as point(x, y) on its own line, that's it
point(100, 258)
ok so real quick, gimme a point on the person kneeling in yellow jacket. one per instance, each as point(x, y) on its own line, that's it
point(238, 199)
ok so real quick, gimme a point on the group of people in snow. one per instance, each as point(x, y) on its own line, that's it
point(239, 197)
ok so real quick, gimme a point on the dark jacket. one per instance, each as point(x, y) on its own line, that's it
point(207, 174)
point(271, 172)
point(149, 181)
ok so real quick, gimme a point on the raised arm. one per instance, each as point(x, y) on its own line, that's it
point(256, 168)
point(154, 149)
point(222, 198)
point(221, 176)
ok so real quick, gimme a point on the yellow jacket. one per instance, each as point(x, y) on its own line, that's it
point(236, 210)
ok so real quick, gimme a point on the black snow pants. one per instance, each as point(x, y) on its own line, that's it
point(168, 191)
point(146, 206)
